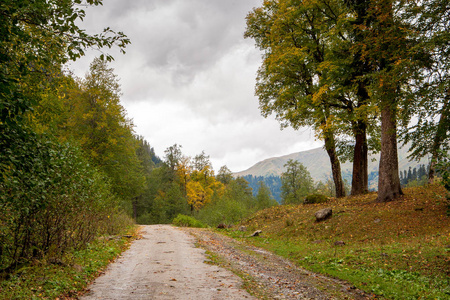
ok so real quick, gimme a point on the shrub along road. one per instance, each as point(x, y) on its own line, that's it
point(166, 264)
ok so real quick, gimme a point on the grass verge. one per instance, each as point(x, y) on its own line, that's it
point(64, 278)
point(396, 250)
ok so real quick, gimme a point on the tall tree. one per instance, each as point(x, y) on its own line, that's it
point(224, 175)
point(202, 163)
point(307, 78)
point(53, 198)
point(387, 37)
point(430, 132)
point(387, 46)
point(297, 182)
point(264, 198)
point(98, 121)
point(36, 38)
point(172, 158)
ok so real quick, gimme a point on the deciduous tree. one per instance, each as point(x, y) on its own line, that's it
point(310, 78)
point(429, 132)
point(97, 120)
point(297, 182)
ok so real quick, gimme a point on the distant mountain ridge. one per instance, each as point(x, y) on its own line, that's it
point(318, 164)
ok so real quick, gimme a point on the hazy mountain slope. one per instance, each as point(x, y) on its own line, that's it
point(318, 164)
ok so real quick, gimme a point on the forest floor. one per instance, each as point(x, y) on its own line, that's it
point(394, 250)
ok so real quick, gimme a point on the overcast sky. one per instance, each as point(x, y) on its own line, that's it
point(188, 78)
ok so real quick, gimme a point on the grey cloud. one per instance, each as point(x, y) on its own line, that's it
point(188, 78)
point(186, 36)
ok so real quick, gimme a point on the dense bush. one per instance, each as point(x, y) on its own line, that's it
point(53, 202)
point(224, 211)
point(315, 198)
point(187, 221)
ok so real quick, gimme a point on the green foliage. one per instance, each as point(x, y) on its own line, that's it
point(98, 122)
point(443, 167)
point(58, 202)
point(36, 39)
point(224, 211)
point(264, 198)
point(232, 206)
point(187, 221)
point(430, 103)
point(48, 280)
point(296, 183)
point(272, 182)
point(315, 198)
point(162, 200)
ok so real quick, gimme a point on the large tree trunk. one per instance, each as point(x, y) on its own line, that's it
point(330, 146)
point(388, 181)
point(360, 177)
point(360, 160)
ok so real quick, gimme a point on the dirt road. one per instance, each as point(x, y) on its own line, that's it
point(165, 264)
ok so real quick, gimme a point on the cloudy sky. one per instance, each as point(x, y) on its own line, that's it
point(188, 78)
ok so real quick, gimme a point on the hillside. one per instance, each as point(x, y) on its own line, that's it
point(317, 162)
point(396, 250)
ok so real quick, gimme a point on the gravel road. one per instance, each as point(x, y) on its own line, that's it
point(271, 276)
point(165, 264)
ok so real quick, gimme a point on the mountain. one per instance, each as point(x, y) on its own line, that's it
point(318, 164)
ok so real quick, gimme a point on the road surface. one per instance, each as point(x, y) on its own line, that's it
point(165, 264)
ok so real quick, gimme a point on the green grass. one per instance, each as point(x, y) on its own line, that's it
point(64, 278)
point(396, 250)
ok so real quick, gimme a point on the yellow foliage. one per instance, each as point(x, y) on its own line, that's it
point(197, 196)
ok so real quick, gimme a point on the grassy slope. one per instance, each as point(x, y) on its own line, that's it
point(399, 250)
point(67, 278)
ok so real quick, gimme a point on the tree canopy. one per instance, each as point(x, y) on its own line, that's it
point(352, 70)
point(52, 197)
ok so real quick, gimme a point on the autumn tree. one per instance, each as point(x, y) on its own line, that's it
point(389, 47)
point(203, 183)
point(309, 77)
point(98, 121)
point(184, 171)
